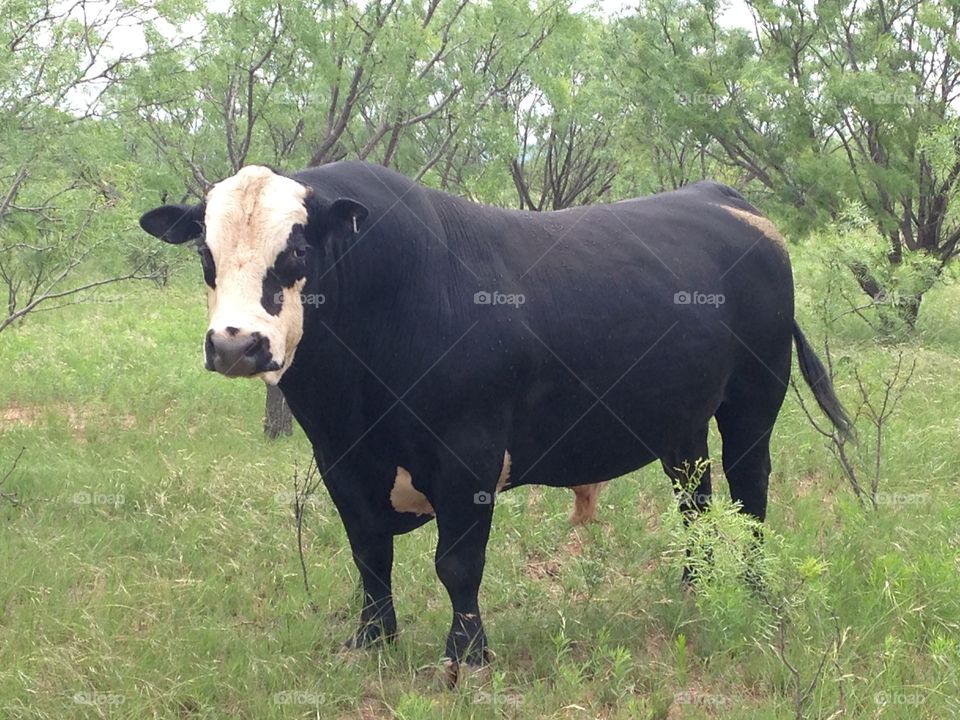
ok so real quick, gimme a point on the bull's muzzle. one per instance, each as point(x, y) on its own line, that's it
point(238, 354)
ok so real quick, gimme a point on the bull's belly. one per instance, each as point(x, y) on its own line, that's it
point(563, 435)
point(597, 448)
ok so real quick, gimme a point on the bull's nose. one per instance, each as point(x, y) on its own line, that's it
point(237, 354)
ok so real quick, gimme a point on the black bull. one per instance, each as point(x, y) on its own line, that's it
point(455, 350)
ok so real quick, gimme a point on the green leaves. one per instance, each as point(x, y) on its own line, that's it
point(525, 104)
point(820, 107)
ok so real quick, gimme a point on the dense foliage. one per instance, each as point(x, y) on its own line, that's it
point(816, 112)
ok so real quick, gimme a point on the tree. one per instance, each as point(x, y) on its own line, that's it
point(63, 182)
point(566, 122)
point(823, 108)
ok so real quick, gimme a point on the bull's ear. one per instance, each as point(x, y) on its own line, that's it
point(349, 214)
point(174, 224)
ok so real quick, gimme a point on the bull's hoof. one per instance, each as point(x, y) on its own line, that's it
point(578, 519)
point(466, 648)
point(690, 579)
point(477, 669)
point(369, 635)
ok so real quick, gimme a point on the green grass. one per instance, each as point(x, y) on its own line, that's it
point(150, 567)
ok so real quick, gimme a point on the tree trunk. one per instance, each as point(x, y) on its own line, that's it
point(277, 419)
point(906, 307)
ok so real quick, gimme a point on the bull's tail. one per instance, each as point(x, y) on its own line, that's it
point(818, 379)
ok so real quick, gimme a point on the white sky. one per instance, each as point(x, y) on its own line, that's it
point(736, 14)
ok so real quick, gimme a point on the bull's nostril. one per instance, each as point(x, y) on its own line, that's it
point(255, 346)
point(231, 331)
point(208, 351)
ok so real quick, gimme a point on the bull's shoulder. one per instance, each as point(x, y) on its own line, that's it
point(352, 172)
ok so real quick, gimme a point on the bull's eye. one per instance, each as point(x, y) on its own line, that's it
point(289, 267)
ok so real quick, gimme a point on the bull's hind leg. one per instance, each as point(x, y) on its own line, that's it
point(468, 471)
point(688, 467)
point(585, 505)
point(745, 428)
point(746, 421)
point(746, 463)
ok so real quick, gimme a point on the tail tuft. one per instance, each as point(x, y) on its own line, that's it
point(818, 379)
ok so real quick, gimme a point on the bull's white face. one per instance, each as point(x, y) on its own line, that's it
point(252, 221)
point(252, 233)
point(252, 244)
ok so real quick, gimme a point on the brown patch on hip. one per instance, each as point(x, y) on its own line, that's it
point(758, 222)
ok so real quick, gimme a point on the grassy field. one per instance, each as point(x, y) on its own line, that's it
point(148, 567)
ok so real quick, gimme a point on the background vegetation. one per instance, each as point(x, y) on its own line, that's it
point(147, 546)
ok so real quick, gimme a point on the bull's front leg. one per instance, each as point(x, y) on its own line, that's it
point(371, 542)
point(459, 560)
point(464, 510)
point(373, 555)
